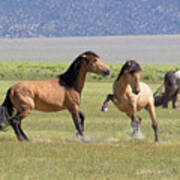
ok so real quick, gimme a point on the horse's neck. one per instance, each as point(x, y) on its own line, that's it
point(121, 86)
point(79, 84)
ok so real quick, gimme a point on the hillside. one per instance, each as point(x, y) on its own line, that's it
point(57, 18)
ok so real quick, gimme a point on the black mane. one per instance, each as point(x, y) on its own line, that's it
point(131, 65)
point(68, 78)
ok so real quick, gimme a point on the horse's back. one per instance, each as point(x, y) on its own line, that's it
point(40, 95)
point(36, 88)
point(177, 75)
point(172, 81)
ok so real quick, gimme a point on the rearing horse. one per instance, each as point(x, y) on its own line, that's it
point(130, 95)
point(59, 93)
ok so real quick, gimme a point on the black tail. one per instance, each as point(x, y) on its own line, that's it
point(6, 111)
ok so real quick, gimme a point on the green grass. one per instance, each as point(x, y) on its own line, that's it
point(16, 70)
point(54, 153)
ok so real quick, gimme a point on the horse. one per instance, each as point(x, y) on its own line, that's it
point(130, 96)
point(172, 88)
point(57, 94)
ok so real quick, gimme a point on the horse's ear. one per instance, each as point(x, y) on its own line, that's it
point(84, 56)
point(129, 63)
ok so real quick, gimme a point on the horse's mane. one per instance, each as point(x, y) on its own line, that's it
point(131, 65)
point(68, 78)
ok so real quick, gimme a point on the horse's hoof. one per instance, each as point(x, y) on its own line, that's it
point(79, 135)
point(138, 136)
point(104, 109)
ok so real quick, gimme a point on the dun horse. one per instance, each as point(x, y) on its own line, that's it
point(59, 93)
point(130, 95)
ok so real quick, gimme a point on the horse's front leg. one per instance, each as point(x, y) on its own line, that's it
point(165, 103)
point(105, 104)
point(76, 115)
point(81, 115)
point(152, 113)
point(135, 126)
point(169, 93)
point(174, 100)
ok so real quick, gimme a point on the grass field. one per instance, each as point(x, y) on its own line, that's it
point(24, 70)
point(54, 152)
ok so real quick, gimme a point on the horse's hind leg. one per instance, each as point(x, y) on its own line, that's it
point(15, 122)
point(22, 133)
point(105, 104)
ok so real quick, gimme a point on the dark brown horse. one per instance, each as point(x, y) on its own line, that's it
point(171, 89)
point(57, 94)
point(130, 96)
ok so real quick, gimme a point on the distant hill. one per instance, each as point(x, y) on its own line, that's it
point(57, 18)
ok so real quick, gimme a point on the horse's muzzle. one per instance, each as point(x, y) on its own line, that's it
point(106, 72)
point(135, 91)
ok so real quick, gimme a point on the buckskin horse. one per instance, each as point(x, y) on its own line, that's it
point(130, 95)
point(172, 88)
point(60, 93)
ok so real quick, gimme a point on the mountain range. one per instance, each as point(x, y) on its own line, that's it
point(62, 18)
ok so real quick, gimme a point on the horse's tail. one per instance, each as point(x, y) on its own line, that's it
point(6, 111)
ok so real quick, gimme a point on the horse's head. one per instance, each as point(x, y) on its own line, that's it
point(132, 71)
point(159, 100)
point(94, 64)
